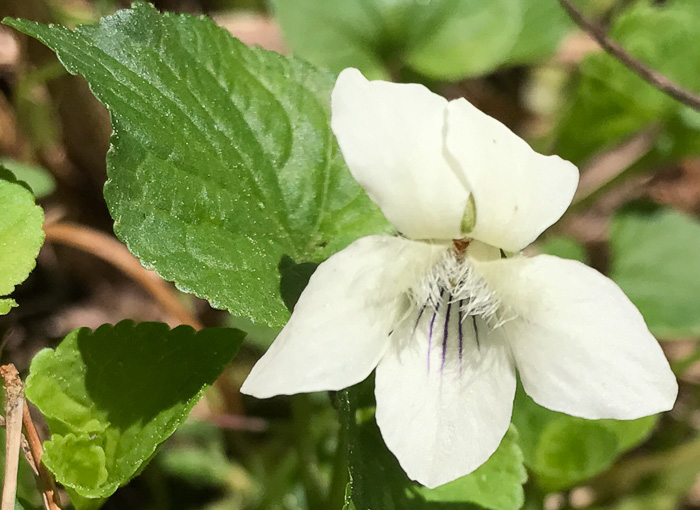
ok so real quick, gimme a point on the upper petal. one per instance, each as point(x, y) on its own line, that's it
point(441, 414)
point(580, 345)
point(391, 136)
point(341, 324)
point(517, 192)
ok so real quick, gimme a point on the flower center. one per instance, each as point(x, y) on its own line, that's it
point(454, 307)
point(454, 279)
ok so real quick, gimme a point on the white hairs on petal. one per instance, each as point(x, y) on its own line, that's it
point(455, 279)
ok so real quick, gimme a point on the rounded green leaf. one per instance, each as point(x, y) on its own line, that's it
point(443, 39)
point(631, 433)
point(544, 25)
point(467, 38)
point(81, 459)
point(569, 451)
point(335, 35)
point(112, 395)
point(563, 450)
point(39, 179)
point(21, 235)
point(654, 259)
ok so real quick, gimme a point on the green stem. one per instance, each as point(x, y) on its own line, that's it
point(339, 480)
point(277, 483)
point(301, 416)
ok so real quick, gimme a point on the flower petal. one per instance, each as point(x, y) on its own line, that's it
point(341, 324)
point(518, 193)
point(580, 345)
point(391, 136)
point(442, 414)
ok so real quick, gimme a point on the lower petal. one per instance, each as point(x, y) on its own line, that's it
point(580, 345)
point(444, 400)
point(341, 324)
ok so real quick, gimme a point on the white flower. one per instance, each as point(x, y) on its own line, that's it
point(442, 314)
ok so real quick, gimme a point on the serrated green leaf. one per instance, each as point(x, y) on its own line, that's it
point(654, 259)
point(377, 480)
point(6, 305)
point(112, 395)
point(222, 158)
point(21, 235)
point(562, 450)
point(347, 503)
point(294, 279)
point(443, 39)
point(611, 102)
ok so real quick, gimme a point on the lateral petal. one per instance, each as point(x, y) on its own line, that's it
point(580, 346)
point(341, 324)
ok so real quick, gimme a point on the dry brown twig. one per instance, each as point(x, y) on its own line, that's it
point(24, 444)
point(14, 404)
point(109, 249)
point(48, 486)
point(607, 166)
point(652, 77)
point(17, 414)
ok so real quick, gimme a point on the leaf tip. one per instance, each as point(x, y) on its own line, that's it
point(18, 23)
point(8, 20)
